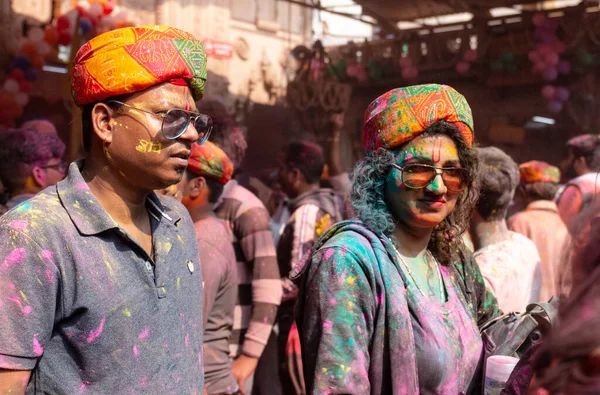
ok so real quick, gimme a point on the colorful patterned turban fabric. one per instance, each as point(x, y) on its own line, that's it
point(132, 59)
point(536, 171)
point(402, 114)
point(208, 160)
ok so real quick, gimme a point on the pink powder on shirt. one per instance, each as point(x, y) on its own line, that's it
point(144, 334)
point(27, 310)
point(37, 348)
point(136, 353)
point(95, 334)
point(16, 256)
point(19, 224)
point(47, 255)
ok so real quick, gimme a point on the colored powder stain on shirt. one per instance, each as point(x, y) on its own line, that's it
point(178, 282)
point(144, 334)
point(95, 334)
point(187, 340)
point(126, 312)
point(351, 280)
point(47, 255)
point(19, 224)
point(37, 348)
point(23, 296)
point(23, 207)
point(15, 257)
point(27, 310)
point(109, 267)
point(82, 186)
point(136, 353)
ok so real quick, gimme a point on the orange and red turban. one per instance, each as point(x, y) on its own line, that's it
point(132, 59)
point(536, 171)
point(402, 114)
point(208, 160)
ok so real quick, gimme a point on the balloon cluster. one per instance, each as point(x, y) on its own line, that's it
point(556, 97)
point(409, 70)
point(546, 56)
point(95, 17)
point(470, 56)
point(358, 71)
point(40, 45)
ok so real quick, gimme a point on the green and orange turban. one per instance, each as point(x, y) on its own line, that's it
point(208, 160)
point(402, 114)
point(536, 171)
point(132, 59)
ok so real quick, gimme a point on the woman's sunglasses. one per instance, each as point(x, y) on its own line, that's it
point(419, 176)
point(176, 121)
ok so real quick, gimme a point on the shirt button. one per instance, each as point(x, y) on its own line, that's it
point(148, 266)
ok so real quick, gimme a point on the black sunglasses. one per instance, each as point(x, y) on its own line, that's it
point(419, 176)
point(176, 121)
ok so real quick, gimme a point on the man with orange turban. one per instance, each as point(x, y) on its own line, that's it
point(540, 220)
point(208, 171)
point(100, 277)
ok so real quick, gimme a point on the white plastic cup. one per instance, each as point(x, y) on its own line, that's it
point(497, 372)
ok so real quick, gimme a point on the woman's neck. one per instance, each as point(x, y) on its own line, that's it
point(411, 242)
point(490, 232)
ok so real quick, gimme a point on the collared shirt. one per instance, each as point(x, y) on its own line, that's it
point(541, 223)
point(219, 271)
point(84, 306)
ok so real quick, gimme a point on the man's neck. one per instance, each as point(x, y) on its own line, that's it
point(490, 232)
point(200, 212)
point(305, 189)
point(124, 203)
point(411, 242)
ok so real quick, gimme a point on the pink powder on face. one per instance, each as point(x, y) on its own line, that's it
point(19, 224)
point(16, 256)
point(95, 334)
point(27, 310)
point(144, 334)
point(37, 348)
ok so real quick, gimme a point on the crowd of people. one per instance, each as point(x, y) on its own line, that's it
point(154, 265)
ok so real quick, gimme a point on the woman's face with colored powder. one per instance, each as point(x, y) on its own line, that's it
point(422, 208)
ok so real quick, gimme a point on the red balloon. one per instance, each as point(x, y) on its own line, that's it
point(109, 7)
point(64, 38)
point(18, 74)
point(51, 35)
point(25, 86)
point(63, 23)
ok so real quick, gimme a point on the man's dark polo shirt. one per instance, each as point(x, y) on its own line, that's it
point(86, 308)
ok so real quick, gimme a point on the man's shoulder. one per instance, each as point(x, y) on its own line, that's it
point(42, 211)
point(240, 198)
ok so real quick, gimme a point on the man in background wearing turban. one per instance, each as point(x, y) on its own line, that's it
point(100, 277)
point(540, 221)
point(208, 171)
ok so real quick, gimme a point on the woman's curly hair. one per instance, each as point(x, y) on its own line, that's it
point(368, 195)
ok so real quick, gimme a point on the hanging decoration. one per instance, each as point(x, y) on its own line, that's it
point(470, 56)
point(315, 95)
point(41, 45)
point(408, 69)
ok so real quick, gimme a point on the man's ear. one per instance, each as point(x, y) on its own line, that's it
point(103, 122)
point(38, 175)
point(197, 186)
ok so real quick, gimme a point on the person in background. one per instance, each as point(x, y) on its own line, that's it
point(259, 292)
point(540, 221)
point(313, 211)
point(29, 163)
point(390, 303)
point(509, 261)
point(42, 126)
point(582, 172)
point(568, 361)
point(209, 169)
point(101, 287)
